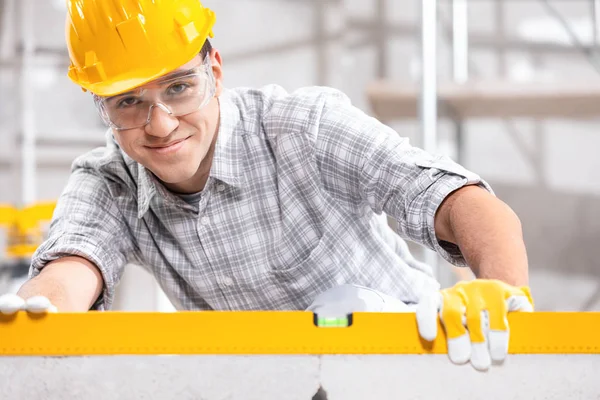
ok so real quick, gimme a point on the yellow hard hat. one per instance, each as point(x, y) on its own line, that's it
point(117, 45)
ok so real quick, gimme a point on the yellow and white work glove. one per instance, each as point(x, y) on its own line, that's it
point(11, 303)
point(474, 316)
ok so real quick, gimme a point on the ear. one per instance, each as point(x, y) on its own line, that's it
point(217, 68)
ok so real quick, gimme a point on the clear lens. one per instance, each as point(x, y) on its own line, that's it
point(180, 95)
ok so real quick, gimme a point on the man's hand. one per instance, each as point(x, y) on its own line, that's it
point(11, 303)
point(474, 317)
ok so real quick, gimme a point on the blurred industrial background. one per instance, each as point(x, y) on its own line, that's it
point(517, 84)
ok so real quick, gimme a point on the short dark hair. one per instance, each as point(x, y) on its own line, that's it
point(206, 49)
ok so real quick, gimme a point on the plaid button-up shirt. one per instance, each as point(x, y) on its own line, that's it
point(295, 204)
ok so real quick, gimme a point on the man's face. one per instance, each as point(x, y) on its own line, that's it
point(172, 147)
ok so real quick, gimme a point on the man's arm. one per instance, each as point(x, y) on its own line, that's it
point(72, 284)
point(89, 242)
point(488, 233)
point(433, 199)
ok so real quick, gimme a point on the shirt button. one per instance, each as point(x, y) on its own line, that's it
point(226, 281)
point(220, 187)
point(204, 220)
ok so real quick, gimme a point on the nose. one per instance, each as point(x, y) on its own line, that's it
point(161, 122)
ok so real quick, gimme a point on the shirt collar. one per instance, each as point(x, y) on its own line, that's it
point(145, 186)
point(227, 163)
point(146, 189)
point(227, 159)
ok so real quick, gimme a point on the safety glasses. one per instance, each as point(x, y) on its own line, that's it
point(179, 93)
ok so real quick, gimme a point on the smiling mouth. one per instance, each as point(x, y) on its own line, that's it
point(162, 146)
point(169, 147)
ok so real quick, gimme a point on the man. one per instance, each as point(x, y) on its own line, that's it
point(261, 199)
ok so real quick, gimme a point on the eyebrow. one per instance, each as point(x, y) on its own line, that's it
point(177, 74)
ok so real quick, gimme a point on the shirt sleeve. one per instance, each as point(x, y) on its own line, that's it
point(88, 224)
point(364, 162)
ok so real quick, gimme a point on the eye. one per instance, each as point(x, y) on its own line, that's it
point(177, 88)
point(127, 102)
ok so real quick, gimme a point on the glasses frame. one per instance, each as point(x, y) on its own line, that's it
point(202, 69)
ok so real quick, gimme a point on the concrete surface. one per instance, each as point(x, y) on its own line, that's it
point(159, 377)
point(415, 377)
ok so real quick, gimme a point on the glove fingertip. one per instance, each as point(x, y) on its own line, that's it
point(37, 304)
point(498, 343)
point(459, 349)
point(11, 303)
point(427, 316)
point(480, 357)
point(427, 326)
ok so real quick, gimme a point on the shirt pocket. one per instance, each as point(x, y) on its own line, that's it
point(317, 261)
point(291, 258)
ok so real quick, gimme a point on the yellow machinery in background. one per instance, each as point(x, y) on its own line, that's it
point(23, 231)
point(8, 216)
point(30, 229)
point(8, 220)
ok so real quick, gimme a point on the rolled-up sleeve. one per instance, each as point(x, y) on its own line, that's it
point(365, 162)
point(88, 224)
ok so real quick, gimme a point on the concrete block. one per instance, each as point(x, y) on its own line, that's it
point(420, 377)
point(159, 377)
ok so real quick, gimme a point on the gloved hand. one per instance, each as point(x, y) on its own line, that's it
point(474, 316)
point(11, 303)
